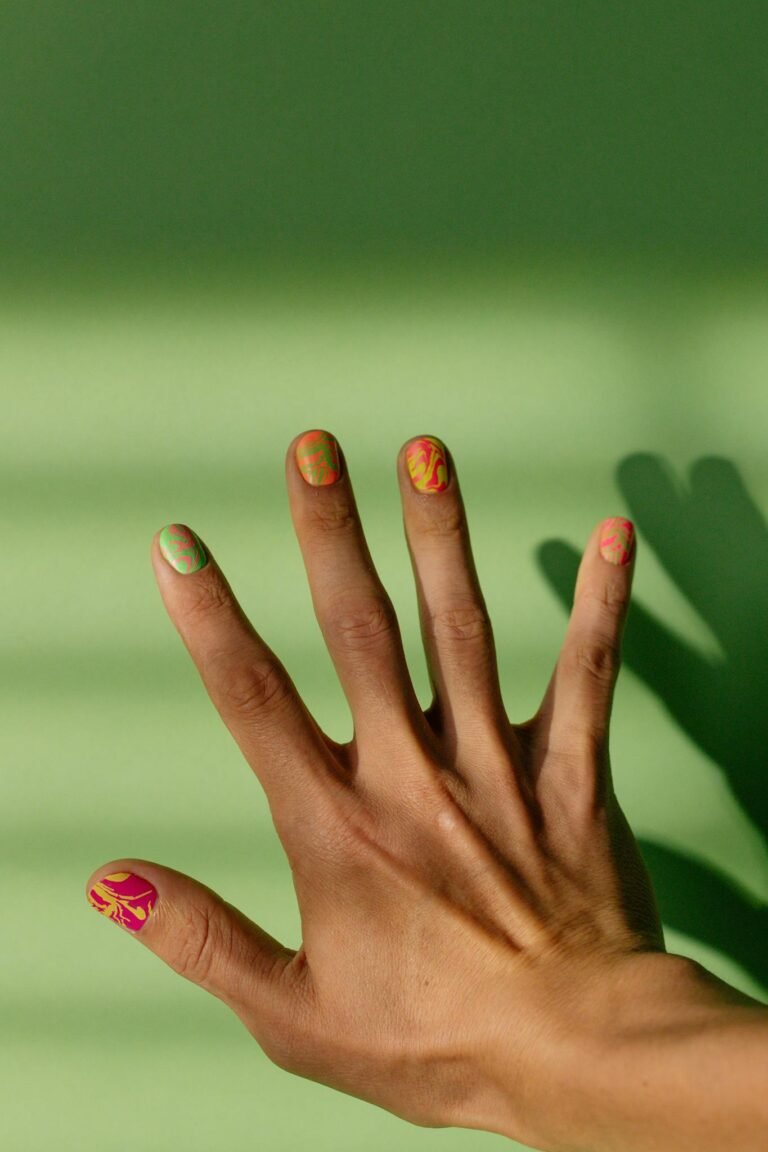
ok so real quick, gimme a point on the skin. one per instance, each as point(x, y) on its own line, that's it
point(480, 942)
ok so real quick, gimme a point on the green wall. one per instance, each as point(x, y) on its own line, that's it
point(537, 231)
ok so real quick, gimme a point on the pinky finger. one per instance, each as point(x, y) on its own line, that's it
point(576, 710)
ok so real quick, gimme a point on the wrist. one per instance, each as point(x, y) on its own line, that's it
point(687, 1067)
point(631, 1056)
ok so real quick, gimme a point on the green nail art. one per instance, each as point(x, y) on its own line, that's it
point(182, 548)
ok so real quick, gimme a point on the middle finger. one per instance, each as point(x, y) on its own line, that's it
point(353, 609)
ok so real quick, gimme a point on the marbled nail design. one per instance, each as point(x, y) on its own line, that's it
point(617, 537)
point(124, 897)
point(182, 548)
point(317, 455)
point(427, 464)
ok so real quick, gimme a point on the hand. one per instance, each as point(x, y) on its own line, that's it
point(467, 886)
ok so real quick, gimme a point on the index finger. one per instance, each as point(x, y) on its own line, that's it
point(248, 685)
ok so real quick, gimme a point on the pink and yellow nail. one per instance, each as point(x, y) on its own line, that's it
point(317, 458)
point(124, 897)
point(617, 539)
point(427, 462)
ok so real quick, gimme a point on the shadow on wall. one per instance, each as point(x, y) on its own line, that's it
point(722, 706)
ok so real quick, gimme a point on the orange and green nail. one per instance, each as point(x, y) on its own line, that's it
point(317, 457)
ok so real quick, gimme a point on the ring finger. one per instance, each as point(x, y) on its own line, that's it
point(455, 626)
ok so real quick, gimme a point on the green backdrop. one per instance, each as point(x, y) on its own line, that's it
point(535, 230)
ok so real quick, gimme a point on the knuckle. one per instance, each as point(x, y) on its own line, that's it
point(250, 689)
point(363, 626)
point(616, 595)
point(203, 944)
point(447, 520)
point(332, 514)
point(461, 622)
point(613, 597)
point(598, 657)
point(207, 598)
point(610, 596)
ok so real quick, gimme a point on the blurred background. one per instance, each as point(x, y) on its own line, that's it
point(535, 230)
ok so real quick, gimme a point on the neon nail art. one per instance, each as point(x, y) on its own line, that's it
point(124, 897)
point(427, 464)
point(617, 537)
point(317, 455)
point(182, 548)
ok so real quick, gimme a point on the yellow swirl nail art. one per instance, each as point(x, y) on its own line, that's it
point(427, 464)
point(124, 897)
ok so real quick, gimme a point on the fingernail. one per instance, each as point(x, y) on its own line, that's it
point(317, 455)
point(182, 548)
point(124, 897)
point(427, 462)
point(617, 538)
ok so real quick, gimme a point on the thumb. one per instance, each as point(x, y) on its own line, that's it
point(204, 939)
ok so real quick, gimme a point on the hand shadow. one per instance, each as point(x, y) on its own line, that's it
point(713, 542)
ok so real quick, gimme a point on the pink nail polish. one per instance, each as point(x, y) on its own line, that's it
point(617, 538)
point(124, 897)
